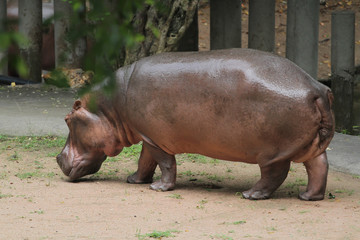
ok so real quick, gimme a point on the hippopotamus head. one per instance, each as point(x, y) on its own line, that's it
point(89, 142)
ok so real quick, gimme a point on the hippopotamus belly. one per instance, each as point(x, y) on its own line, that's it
point(238, 105)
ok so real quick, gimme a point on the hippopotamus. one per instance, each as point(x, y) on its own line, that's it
point(239, 105)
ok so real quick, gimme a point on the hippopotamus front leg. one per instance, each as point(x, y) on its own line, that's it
point(150, 157)
point(272, 176)
point(317, 170)
point(146, 167)
point(167, 164)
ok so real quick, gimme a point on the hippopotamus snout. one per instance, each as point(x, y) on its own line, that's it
point(85, 165)
point(65, 167)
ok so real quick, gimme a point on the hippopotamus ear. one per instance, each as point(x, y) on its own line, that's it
point(77, 105)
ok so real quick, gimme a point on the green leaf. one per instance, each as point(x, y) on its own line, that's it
point(149, 2)
point(21, 67)
point(139, 38)
point(155, 31)
point(77, 6)
point(5, 40)
point(20, 39)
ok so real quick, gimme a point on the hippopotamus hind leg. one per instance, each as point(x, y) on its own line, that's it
point(317, 170)
point(272, 176)
point(146, 167)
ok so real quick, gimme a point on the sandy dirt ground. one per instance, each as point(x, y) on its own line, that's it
point(37, 201)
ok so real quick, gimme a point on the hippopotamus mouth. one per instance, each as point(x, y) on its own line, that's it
point(77, 168)
point(66, 168)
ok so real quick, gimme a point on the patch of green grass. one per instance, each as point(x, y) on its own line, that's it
point(234, 223)
point(52, 154)
point(132, 151)
point(3, 138)
point(349, 192)
point(39, 165)
point(26, 175)
point(239, 222)
point(196, 157)
point(35, 143)
point(304, 211)
point(214, 161)
point(203, 173)
point(36, 174)
point(271, 229)
point(112, 174)
point(187, 173)
point(157, 234)
point(221, 236)
point(5, 196)
point(354, 131)
point(37, 212)
point(200, 158)
point(298, 182)
point(252, 236)
point(230, 177)
point(14, 157)
point(215, 178)
point(50, 174)
point(176, 196)
point(3, 175)
point(238, 194)
point(113, 159)
point(301, 182)
point(156, 177)
point(201, 204)
point(345, 131)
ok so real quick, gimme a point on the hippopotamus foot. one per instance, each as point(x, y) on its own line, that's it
point(317, 170)
point(255, 195)
point(162, 186)
point(146, 167)
point(135, 178)
point(272, 176)
point(167, 164)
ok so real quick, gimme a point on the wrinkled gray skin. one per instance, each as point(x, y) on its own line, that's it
point(239, 105)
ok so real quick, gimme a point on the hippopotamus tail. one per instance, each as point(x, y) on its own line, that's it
point(325, 132)
point(327, 124)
